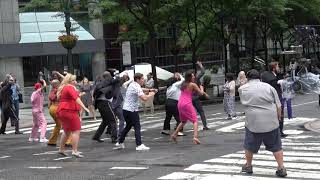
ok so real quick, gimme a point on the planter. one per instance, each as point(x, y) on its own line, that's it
point(68, 41)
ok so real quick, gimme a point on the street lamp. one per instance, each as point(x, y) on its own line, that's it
point(68, 41)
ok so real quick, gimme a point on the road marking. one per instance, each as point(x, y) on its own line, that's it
point(45, 167)
point(292, 132)
point(227, 169)
point(300, 144)
point(130, 168)
point(271, 158)
point(62, 158)
point(312, 102)
point(236, 177)
point(294, 153)
point(231, 127)
point(306, 166)
point(180, 175)
point(157, 138)
point(4, 157)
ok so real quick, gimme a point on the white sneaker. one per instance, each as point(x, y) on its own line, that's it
point(142, 147)
point(180, 134)
point(33, 139)
point(43, 140)
point(119, 146)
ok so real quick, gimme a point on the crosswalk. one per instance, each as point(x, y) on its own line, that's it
point(216, 122)
point(148, 122)
point(301, 157)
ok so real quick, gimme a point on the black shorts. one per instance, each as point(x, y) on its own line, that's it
point(272, 141)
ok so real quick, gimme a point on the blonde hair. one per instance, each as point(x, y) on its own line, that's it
point(66, 81)
point(55, 83)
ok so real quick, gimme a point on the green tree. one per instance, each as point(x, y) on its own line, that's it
point(144, 19)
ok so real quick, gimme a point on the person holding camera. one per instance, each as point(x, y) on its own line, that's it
point(7, 105)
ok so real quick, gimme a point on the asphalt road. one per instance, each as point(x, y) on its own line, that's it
point(220, 155)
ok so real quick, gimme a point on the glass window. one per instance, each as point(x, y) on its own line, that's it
point(29, 28)
point(51, 26)
point(27, 17)
point(30, 38)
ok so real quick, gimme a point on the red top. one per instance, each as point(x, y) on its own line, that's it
point(68, 97)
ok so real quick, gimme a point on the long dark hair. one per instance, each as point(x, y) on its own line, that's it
point(187, 79)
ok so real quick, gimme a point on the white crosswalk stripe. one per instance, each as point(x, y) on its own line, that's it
point(301, 159)
point(216, 120)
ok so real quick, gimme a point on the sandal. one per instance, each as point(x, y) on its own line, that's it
point(77, 155)
point(196, 141)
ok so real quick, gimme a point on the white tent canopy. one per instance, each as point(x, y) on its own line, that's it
point(145, 69)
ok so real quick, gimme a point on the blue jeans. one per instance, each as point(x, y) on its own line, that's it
point(16, 111)
point(289, 107)
point(119, 113)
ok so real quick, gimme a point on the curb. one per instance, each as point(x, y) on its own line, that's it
point(313, 126)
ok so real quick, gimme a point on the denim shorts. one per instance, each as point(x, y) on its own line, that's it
point(272, 141)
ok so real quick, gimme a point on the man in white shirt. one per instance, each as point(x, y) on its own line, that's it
point(131, 111)
point(263, 111)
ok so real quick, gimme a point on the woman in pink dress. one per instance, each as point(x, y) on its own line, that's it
point(186, 109)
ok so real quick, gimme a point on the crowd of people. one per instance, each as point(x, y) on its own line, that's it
point(118, 98)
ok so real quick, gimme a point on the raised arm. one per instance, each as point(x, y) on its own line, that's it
point(202, 71)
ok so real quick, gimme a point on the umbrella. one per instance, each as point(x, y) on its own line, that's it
point(145, 69)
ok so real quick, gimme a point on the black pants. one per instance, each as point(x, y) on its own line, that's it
point(108, 119)
point(198, 105)
point(132, 119)
point(9, 112)
point(171, 110)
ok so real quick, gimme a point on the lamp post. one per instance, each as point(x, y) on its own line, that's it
point(66, 6)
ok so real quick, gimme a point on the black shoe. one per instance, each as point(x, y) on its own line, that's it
point(3, 133)
point(284, 135)
point(281, 172)
point(206, 128)
point(165, 132)
point(54, 145)
point(19, 132)
point(247, 169)
point(98, 140)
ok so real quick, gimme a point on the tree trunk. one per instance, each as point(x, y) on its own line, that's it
point(253, 50)
point(224, 48)
point(265, 39)
point(237, 53)
point(194, 58)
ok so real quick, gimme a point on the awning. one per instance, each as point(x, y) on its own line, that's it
point(39, 37)
point(44, 27)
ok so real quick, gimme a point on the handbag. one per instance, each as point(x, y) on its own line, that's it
point(20, 97)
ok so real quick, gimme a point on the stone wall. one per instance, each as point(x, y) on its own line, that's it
point(10, 34)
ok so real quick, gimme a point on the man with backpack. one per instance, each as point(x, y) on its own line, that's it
point(103, 96)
